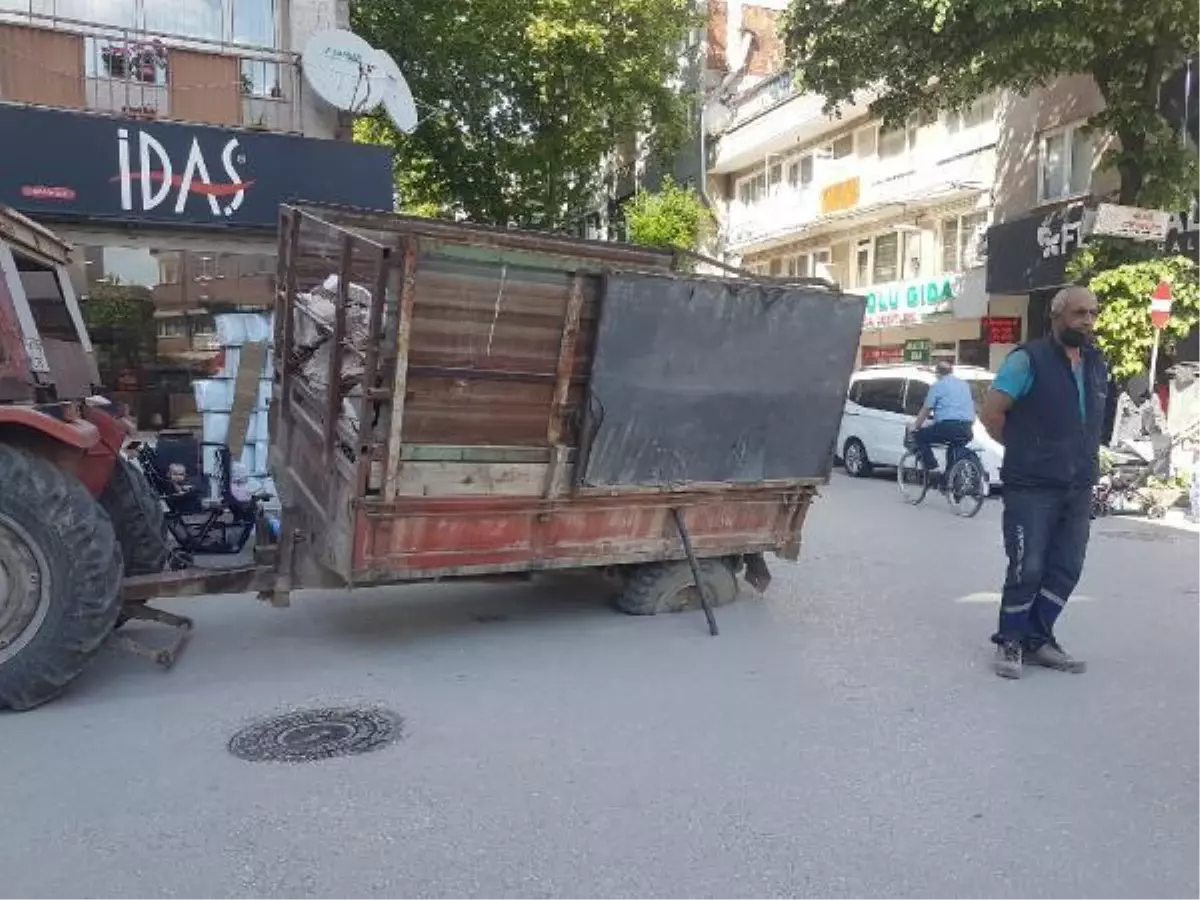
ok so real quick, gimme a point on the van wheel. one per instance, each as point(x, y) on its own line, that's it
point(854, 457)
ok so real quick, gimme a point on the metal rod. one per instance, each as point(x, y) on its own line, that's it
point(691, 558)
point(1154, 358)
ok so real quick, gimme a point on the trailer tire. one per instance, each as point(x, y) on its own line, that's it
point(670, 587)
point(60, 579)
point(137, 515)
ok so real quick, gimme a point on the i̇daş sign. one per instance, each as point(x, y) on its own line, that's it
point(159, 180)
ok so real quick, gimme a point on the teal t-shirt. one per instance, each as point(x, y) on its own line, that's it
point(1015, 378)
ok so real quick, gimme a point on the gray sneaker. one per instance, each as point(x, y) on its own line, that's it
point(1008, 660)
point(1052, 656)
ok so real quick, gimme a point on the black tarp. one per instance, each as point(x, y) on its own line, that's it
point(710, 380)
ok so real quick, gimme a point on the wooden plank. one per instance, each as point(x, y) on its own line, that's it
point(333, 397)
point(245, 395)
point(467, 453)
point(285, 322)
point(464, 479)
point(554, 483)
point(41, 66)
point(408, 296)
point(366, 432)
point(205, 87)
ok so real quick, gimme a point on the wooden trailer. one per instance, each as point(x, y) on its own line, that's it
point(452, 401)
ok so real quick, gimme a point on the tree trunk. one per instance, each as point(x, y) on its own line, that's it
point(1130, 168)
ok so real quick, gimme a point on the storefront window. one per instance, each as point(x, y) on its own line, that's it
point(151, 314)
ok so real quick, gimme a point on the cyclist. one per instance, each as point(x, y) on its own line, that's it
point(952, 409)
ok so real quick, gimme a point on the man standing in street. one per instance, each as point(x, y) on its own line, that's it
point(950, 405)
point(1046, 406)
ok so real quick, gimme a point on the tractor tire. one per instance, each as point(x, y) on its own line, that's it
point(137, 515)
point(60, 579)
point(670, 587)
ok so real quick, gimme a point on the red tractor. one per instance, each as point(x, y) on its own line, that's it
point(75, 515)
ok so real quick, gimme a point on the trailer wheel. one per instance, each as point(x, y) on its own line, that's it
point(669, 587)
point(137, 515)
point(60, 579)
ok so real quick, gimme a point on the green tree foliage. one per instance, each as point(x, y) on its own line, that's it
point(120, 322)
point(923, 56)
point(1123, 330)
point(673, 217)
point(520, 101)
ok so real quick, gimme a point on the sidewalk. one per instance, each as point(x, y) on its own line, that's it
point(1175, 518)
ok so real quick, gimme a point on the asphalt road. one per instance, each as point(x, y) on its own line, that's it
point(844, 736)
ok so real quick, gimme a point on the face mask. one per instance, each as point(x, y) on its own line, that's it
point(1072, 337)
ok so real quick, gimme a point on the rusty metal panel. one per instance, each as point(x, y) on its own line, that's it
point(16, 379)
point(441, 537)
point(72, 368)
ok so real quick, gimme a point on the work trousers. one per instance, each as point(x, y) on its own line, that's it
point(1045, 536)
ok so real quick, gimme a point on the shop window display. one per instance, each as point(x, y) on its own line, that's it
point(151, 316)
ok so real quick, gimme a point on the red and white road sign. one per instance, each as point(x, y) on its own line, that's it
point(1160, 305)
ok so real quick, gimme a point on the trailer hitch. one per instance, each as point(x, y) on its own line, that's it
point(164, 656)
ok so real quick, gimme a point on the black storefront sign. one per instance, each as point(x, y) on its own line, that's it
point(1031, 253)
point(76, 166)
point(1183, 234)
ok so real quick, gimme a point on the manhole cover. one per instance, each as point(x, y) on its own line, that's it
point(316, 734)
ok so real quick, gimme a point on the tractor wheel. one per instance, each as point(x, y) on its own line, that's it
point(670, 587)
point(60, 579)
point(137, 515)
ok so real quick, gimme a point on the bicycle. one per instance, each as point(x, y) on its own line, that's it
point(964, 485)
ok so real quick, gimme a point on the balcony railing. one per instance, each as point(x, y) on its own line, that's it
point(763, 96)
point(129, 71)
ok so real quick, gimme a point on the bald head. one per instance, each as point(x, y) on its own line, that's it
point(1073, 312)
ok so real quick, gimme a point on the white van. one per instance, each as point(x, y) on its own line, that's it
point(884, 399)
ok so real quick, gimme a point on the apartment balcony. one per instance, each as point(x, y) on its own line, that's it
point(855, 192)
point(137, 73)
point(771, 119)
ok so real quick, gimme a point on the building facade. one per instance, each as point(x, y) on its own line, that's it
point(160, 137)
point(902, 215)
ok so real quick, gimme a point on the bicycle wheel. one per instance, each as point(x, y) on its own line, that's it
point(912, 478)
point(966, 486)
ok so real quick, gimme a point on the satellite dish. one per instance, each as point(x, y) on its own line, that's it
point(350, 74)
point(398, 100)
point(338, 65)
